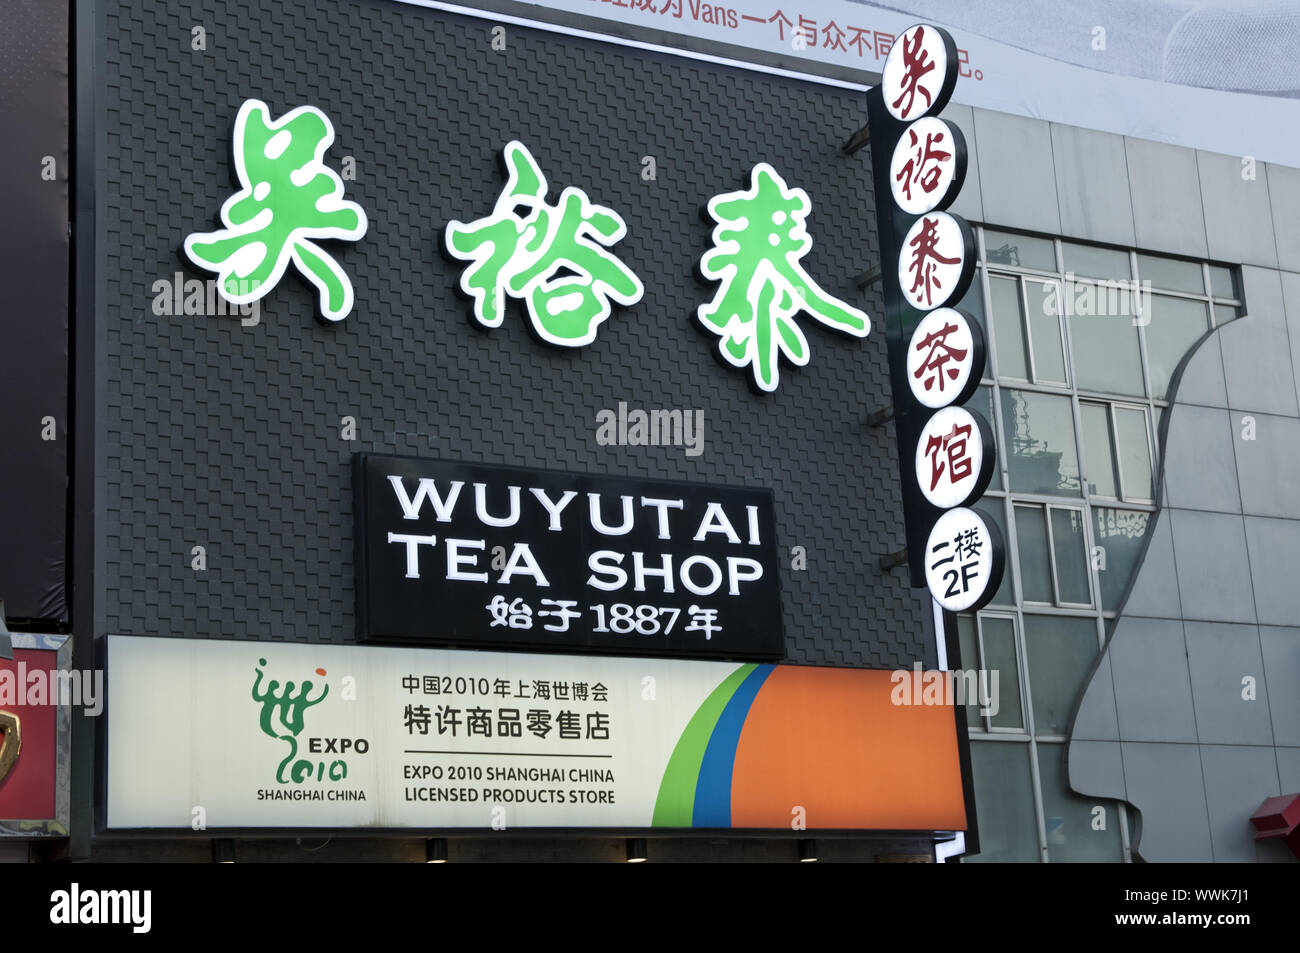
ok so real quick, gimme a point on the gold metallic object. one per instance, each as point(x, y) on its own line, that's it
point(11, 741)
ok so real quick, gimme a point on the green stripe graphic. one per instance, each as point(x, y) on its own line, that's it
point(675, 805)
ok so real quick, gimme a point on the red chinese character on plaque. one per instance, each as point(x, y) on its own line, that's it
point(935, 264)
point(919, 73)
point(928, 162)
point(942, 362)
point(950, 458)
point(949, 452)
point(945, 358)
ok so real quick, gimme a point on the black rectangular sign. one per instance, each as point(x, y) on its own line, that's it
point(469, 554)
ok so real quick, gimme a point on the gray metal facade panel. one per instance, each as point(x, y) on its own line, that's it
point(1200, 471)
point(1280, 648)
point(1155, 591)
point(1237, 779)
point(229, 437)
point(1097, 719)
point(1238, 221)
point(1265, 465)
point(1017, 181)
point(1288, 767)
point(1220, 656)
point(1291, 307)
point(1257, 368)
point(1165, 782)
point(1152, 710)
point(1202, 380)
point(1166, 194)
point(1272, 544)
point(1284, 198)
point(1092, 185)
point(1213, 568)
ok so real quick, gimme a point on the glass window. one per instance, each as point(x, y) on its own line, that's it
point(1038, 434)
point(1104, 340)
point(973, 303)
point(1098, 451)
point(991, 506)
point(1061, 652)
point(1134, 452)
point(1171, 274)
point(1043, 301)
point(1008, 326)
point(1004, 802)
point(1173, 326)
point(982, 402)
point(1019, 251)
point(1071, 821)
point(967, 637)
point(1070, 549)
point(1119, 535)
point(1031, 543)
point(1223, 313)
point(1089, 261)
point(998, 634)
point(1223, 282)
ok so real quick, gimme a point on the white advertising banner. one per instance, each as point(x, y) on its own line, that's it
point(208, 734)
point(1218, 77)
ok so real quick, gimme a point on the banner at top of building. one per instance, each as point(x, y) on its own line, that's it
point(1206, 76)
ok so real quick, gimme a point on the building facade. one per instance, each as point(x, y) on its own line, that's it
point(1138, 300)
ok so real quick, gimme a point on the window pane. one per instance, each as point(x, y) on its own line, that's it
point(1038, 434)
point(1171, 274)
point(1004, 803)
point(991, 506)
point(1071, 556)
point(1031, 541)
point(1068, 817)
point(1104, 340)
point(1098, 453)
point(1045, 330)
point(1223, 313)
point(1173, 326)
point(982, 401)
point(1020, 251)
point(1061, 652)
point(1000, 657)
point(1119, 533)
point(1222, 282)
point(973, 302)
point(1089, 261)
point(1134, 452)
point(1008, 327)
point(969, 659)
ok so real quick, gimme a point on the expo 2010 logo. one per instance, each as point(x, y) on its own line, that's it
point(282, 718)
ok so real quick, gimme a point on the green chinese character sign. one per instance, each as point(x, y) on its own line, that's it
point(757, 244)
point(288, 198)
point(553, 257)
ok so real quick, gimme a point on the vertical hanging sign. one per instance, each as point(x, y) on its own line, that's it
point(936, 351)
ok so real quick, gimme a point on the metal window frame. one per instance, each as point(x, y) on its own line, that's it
point(1023, 281)
point(1143, 409)
point(1086, 465)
